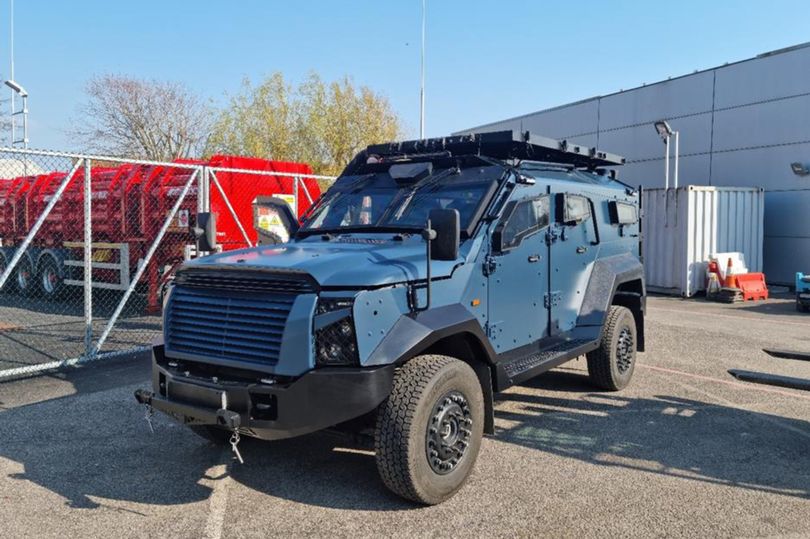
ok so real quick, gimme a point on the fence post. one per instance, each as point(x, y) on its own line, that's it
point(88, 260)
point(295, 195)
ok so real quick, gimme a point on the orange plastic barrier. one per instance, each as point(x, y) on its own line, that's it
point(752, 286)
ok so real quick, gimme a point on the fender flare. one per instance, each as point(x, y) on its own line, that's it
point(608, 275)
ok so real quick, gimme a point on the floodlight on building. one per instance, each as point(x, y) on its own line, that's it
point(663, 129)
point(799, 169)
point(666, 132)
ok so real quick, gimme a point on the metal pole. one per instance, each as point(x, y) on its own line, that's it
point(13, 104)
point(666, 163)
point(146, 259)
point(18, 254)
point(677, 152)
point(25, 122)
point(422, 79)
point(295, 196)
point(88, 261)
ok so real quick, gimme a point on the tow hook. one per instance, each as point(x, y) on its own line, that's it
point(231, 421)
point(145, 397)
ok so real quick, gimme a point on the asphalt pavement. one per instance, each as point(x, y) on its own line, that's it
point(685, 451)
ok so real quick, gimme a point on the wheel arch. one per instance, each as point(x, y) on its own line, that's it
point(615, 280)
point(449, 330)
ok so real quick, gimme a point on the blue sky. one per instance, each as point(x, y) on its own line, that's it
point(485, 60)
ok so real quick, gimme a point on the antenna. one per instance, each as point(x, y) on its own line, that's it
point(422, 80)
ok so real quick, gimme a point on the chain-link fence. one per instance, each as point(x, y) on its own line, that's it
point(88, 244)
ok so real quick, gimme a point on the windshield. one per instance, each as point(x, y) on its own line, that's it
point(377, 201)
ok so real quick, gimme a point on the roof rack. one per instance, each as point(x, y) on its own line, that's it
point(501, 145)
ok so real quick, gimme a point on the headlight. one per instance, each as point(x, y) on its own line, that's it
point(335, 340)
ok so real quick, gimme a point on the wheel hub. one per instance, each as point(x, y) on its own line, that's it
point(624, 350)
point(448, 432)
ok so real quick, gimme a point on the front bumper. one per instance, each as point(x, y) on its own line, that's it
point(319, 399)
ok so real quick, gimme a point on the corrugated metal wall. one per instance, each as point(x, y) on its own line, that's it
point(683, 226)
point(741, 124)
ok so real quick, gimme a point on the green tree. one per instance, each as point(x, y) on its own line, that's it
point(323, 124)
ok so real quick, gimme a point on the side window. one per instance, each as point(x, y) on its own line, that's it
point(527, 217)
point(576, 209)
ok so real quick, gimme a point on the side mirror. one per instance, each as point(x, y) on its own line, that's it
point(273, 220)
point(205, 232)
point(446, 225)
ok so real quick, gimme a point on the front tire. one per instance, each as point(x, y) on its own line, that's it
point(611, 365)
point(429, 430)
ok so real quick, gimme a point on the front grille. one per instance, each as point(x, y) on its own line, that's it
point(226, 324)
point(247, 281)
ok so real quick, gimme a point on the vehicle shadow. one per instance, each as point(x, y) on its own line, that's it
point(95, 445)
point(665, 435)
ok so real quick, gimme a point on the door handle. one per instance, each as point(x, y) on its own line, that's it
point(581, 249)
point(534, 258)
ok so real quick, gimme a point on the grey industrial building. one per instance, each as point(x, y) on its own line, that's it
point(741, 124)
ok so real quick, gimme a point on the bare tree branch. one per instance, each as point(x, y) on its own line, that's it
point(141, 118)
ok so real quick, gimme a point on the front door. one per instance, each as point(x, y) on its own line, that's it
point(518, 275)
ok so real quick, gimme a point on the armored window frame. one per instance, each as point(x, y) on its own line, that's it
point(622, 213)
point(567, 214)
point(504, 240)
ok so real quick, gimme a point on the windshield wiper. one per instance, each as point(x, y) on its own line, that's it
point(424, 183)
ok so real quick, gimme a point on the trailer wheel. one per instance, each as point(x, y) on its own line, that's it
point(3, 265)
point(215, 435)
point(24, 275)
point(611, 365)
point(429, 429)
point(50, 280)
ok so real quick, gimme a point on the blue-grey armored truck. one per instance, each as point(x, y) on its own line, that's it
point(431, 275)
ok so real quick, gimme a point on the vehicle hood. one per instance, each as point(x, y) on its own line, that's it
point(361, 263)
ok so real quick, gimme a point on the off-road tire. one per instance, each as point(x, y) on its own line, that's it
point(215, 435)
point(9, 286)
point(801, 307)
point(611, 365)
point(420, 390)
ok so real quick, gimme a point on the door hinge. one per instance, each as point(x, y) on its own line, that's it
point(490, 265)
point(552, 299)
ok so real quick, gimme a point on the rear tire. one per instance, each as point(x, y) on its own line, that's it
point(611, 365)
point(429, 429)
point(9, 286)
point(50, 281)
point(24, 276)
point(215, 435)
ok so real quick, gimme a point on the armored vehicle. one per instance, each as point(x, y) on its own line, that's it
point(431, 275)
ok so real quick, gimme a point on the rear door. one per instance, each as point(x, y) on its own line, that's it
point(518, 275)
point(574, 247)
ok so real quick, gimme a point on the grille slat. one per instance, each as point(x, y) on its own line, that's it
point(234, 315)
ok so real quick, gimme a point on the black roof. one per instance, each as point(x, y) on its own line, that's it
point(502, 145)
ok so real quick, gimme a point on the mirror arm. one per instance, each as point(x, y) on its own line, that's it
point(428, 234)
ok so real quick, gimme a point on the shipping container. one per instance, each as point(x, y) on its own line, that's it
point(682, 227)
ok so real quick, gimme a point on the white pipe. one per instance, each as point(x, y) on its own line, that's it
point(666, 163)
point(677, 152)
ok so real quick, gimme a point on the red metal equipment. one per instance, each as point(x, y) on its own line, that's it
point(130, 203)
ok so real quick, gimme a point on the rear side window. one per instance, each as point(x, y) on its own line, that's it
point(623, 213)
point(527, 216)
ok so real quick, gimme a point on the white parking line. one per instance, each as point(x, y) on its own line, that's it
point(218, 501)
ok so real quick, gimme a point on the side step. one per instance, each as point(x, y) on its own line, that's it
point(523, 368)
